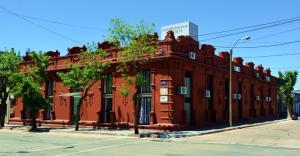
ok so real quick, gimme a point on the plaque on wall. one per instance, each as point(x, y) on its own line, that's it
point(163, 98)
point(163, 91)
point(163, 83)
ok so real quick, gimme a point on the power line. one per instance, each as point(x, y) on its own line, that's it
point(287, 68)
point(235, 29)
point(274, 34)
point(274, 55)
point(251, 30)
point(262, 46)
point(40, 26)
point(57, 22)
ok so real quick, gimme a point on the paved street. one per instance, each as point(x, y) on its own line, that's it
point(273, 139)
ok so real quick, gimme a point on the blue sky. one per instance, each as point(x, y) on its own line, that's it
point(210, 16)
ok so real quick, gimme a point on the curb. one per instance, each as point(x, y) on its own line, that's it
point(150, 134)
point(221, 130)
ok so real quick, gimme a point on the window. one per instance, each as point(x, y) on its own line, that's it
point(146, 98)
point(47, 115)
point(107, 84)
point(146, 88)
point(49, 95)
point(145, 110)
point(49, 87)
point(210, 81)
point(107, 98)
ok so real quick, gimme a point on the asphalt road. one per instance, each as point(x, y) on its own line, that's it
point(273, 139)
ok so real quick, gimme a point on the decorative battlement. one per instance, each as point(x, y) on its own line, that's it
point(53, 53)
point(250, 65)
point(259, 68)
point(238, 61)
point(108, 45)
point(76, 50)
point(208, 50)
point(182, 46)
point(224, 55)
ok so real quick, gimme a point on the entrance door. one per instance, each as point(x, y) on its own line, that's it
point(240, 102)
point(74, 109)
point(145, 110)
point(188, 100)
point(226, 100)
point(187, 109)
point(107, 107)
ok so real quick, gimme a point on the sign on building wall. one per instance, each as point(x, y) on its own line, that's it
point(163, 99)
point(163, 91)
point(185, 28)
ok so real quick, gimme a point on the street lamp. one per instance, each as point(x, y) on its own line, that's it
point(230, 77)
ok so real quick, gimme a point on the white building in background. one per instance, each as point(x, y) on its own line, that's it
point(184, 28)
point(8, 108)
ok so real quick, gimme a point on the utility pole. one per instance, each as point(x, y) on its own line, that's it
point(230, 78)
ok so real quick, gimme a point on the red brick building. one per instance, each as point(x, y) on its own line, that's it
point(188, 85)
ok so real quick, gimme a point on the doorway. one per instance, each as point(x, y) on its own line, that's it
point(240, 102)
point(107, 108)
point(188, 99)
point(226, 100)
point(75, 103)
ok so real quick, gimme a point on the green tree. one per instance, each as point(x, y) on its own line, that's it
point(286, 88)
point(28, 85)
point(136, 48)
point(9, 64)
point(84, 74)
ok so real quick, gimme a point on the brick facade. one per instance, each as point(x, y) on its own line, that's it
point(169, 69)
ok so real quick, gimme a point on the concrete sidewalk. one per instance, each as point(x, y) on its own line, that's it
point(145, 133)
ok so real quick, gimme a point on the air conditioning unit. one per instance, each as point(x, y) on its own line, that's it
point(236, 69)
point(206, 93)
point(239, 96)
point(266, 98)
point(257, 98)
point(269, 98)
point(234, 96)
point(192, 55)
point(182, 90)
point(257, 75)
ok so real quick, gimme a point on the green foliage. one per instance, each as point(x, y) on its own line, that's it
point(9, 65)
point(28, 85)
point(124, 90)
point(135, 43)
point(139, 80)
point(89, 69)
point(37, 72)
point(136, 47)
point(85, 73)
point(287, 83)
point(30, 91)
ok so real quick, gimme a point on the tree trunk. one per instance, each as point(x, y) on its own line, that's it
point(33, 120)
point(136, 129)
point(289, 111)
point(78, 114)
point(3, 107)
point(135, 108)
point(2, 113)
